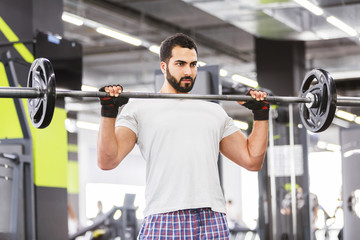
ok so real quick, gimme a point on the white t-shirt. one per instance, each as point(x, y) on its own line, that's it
point(179, 140)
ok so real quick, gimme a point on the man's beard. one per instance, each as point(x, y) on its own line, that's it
point(177, 84)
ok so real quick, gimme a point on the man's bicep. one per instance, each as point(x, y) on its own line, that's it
point(234, 147)
point(126, 140)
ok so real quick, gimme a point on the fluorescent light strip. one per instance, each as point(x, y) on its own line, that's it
point(223, 72)
point(311, 7)
point(155, 49)
point(345, 115)
point(103, 29)
point(71, 18)
point(321, 144)
point(357, 120)
point(201, 63)
point(345, 74)
point(72, 125)
point(328, 146)
point(87, 125)
point(341, 122)
point(240, 124)
point(342, 26)
point(88, 88)
point(351, 152)
point(333, 147)
point(118, 35)
point(245, 81)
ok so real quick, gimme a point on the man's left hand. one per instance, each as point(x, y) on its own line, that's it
point(259, 107)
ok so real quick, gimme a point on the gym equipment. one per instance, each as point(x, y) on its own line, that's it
point(318, 98)
point(111, 227)
point(17, 153)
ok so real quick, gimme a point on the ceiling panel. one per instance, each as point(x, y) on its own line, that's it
point(223, 29)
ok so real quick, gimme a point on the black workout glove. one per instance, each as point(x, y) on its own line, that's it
point(110, 105)
point(260, 109)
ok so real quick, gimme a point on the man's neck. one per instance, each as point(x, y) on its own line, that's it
point(167, 88)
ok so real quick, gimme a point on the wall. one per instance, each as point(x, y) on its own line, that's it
point(130, 172)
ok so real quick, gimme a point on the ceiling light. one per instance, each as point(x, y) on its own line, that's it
point(201, 63)
point(70, 125)
point(155, 49)
point(357, 120)
point(117, 215)
point(345, 115)
point(223, 72)
point(328, 146)
point(240, 124)
point(321, 144)
point(345, 74)
point(88, 88)
point(311, 7)
point(245, 81)
point(351, 152)
point(87, 125)
point(342, 26)
point(341, 123)
point(120, 36)
point(70, 18)
point(333, 147)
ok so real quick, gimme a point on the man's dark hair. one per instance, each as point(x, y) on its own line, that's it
point(179, 39)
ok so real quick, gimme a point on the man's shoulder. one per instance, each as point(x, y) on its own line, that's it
point(212, 104)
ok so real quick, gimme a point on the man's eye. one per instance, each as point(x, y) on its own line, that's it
point(194, 64)
point(180, 64)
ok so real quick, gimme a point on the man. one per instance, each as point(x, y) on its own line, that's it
point(180, 141)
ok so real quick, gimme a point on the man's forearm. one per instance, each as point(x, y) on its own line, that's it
point(258, 139)
point(107, 143)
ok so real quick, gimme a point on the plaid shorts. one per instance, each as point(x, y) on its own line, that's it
point(186, 224)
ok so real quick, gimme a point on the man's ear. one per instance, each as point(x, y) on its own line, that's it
point(163, 67)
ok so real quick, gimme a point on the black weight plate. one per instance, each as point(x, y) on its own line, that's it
point(319, 117)
point(41, 76)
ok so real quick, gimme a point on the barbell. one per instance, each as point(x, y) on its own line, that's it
point(318, 98)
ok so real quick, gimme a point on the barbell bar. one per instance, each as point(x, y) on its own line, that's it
point(317, 98)
point(22, 92)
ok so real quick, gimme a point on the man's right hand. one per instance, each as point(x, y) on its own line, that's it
point(110, 105)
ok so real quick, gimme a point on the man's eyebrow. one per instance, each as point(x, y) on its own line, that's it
point(180, 61)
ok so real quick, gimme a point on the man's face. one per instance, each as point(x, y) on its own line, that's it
point(182, 69)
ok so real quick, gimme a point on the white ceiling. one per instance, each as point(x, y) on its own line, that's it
point(223, 29)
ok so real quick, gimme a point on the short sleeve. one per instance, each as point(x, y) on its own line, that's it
point(229, 127)
point(127, 118)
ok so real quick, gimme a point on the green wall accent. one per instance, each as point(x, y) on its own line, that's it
point(73, 177)
point(49, 144)
point(73, 148)
point(11, 37)
point(9, 123)
point(50, 152)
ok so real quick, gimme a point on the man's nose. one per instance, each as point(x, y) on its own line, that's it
point(187, 70)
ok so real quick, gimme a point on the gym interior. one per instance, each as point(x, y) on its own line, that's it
point(51, 187)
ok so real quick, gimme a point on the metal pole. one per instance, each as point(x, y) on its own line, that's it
point(348, 101)
point(292, 173)
point(272, 176)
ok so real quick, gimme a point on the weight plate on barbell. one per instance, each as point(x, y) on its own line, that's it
point(318, 117)
point(42, 77)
